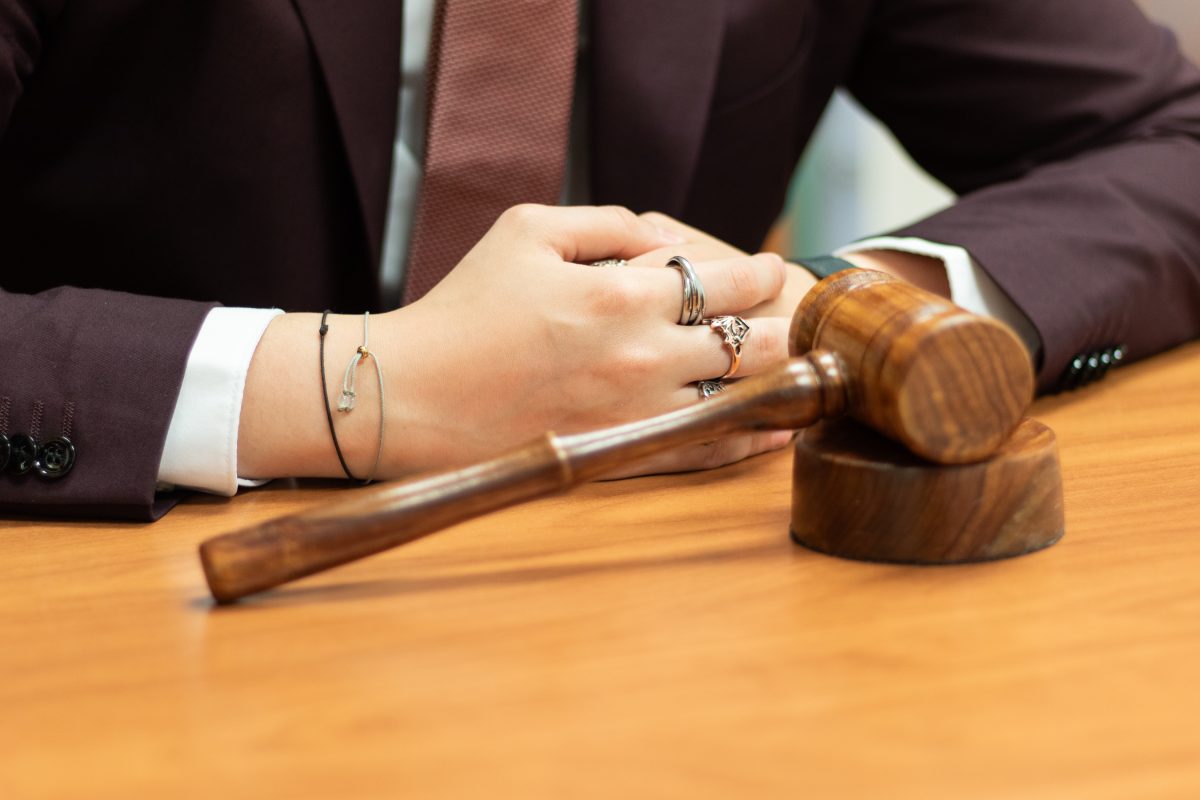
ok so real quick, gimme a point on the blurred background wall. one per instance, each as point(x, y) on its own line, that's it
point(855, 181)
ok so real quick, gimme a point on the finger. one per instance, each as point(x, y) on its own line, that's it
point(669, 223)
point(706, 456)
point(588, 233)
point(696, 252)
point(732, 285)
point(703, 354)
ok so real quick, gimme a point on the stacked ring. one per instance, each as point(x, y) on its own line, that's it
point(691, 311)
point(734, 331)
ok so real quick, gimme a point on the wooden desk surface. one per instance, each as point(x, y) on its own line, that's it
point(650, 638)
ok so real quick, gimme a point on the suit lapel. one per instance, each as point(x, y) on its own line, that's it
point(358, 49)
point(654, 67)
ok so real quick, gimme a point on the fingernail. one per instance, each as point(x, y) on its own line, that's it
point(670, 237)
point(780, 439)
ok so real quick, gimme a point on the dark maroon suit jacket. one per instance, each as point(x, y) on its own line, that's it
point(158, 156)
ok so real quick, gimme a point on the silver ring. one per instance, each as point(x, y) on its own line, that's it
point(691, 311)
point(710, 388)
point(610, 262)
point(734, 331)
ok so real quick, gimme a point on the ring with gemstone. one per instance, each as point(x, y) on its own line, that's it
point(710, 388)
point(609, 262)
point(734, 331)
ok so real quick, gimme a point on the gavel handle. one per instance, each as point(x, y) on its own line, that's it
point(794, 395)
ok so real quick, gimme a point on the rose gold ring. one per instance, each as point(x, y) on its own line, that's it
point(734, 331)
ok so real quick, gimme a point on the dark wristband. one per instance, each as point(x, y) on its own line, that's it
point(824, 266)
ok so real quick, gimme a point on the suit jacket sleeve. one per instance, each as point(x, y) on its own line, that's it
point(1071, 132)
point(108, 362)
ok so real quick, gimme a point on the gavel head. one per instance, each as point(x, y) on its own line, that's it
point(948, 384)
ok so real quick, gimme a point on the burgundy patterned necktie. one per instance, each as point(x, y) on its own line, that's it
point(499, 114)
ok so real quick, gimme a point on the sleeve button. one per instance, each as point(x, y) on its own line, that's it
point(55, 458)
point(24, 452)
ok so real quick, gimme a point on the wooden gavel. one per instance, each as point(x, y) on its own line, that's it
point(947, 384)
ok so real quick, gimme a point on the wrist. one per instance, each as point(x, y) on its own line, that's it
point(925, 272)
point(283, 429)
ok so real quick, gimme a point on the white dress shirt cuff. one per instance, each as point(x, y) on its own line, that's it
point(201, 448)
point(970, 285)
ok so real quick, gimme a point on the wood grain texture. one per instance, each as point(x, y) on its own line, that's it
point(659, 637)
point(856, 494)
point(948, 384)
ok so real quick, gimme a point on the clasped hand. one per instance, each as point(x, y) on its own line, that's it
point(523, 336)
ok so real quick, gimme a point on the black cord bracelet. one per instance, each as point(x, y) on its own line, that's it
point(325, 397)
point(824, 266)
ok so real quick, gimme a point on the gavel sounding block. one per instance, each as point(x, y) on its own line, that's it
point(859, 495)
